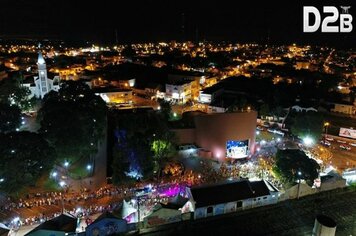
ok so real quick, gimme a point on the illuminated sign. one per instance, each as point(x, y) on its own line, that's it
point(349, 133)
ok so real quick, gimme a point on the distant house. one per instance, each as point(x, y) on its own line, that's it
point(61, 225)
point(212, 200)
point(348, 109)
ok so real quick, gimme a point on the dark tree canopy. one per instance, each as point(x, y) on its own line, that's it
point(289, 162)
point(12, 92)
point(307, 124)
point(135, 136)
point(73, 120)
point(10, 117)
point(25, 157)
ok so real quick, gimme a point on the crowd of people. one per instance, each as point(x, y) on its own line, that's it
point(92, 202)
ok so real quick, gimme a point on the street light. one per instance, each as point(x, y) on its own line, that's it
point(66, 164)
point(88, 167)
point(62, 184)
point(299, 175)
point(308, 141)
point(54, 174)
point(326, 125)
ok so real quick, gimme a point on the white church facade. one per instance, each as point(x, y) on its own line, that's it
point(42, 84)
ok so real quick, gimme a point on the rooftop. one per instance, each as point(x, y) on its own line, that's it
point(228, 192)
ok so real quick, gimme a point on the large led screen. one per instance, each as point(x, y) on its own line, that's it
point(236, 149)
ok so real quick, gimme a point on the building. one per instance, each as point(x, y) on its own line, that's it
point(196, 78)
point(179, 91)
point(221, 135)
point(228, 197)
point(41, 84)
point(348, 109)
point(114, 95)
point(61, 225)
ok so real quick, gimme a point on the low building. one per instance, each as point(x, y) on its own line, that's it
point(348, 109)
point(228, 197)
point(61, 225)
point(179, 91)
point(222, 135)
point(114, 95)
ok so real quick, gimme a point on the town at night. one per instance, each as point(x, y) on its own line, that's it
point(156, 117)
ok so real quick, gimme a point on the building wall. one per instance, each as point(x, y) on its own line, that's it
point(214, 130)
point(181, 93)
point(346, 109)
point(292, 192)
point(333, 184)
point(117, 97)
point(231, 207)
point(184, 136)
point(204, 98)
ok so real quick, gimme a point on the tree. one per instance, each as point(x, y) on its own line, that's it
point(166, 109)
point(291, 161)
point(25, 157)
point(307, 124)
point(120, 166)
point(277, 112)
point(12, 92)
point(73, 120)
point(142, 139)
point(10, 117)
point(264, 110)
point(162, 150)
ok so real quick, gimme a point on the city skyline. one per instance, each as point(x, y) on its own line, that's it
point(143, 21)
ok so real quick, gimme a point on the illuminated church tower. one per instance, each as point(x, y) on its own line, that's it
point(42, 77)
point(42, 84)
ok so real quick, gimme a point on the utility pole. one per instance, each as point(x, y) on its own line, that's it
point(183, 27)
point(299, 175)
point(116, 38)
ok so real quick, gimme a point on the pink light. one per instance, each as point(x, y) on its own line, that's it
point(172, 190)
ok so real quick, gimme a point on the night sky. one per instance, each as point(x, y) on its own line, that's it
point(159, 20)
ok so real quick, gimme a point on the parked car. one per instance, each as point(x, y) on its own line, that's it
point(340, 141)
point(345, 147)
point(325, 143)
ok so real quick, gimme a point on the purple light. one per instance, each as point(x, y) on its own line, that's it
point(171, 191)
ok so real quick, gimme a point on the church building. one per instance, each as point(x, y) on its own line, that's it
point(41, 84)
